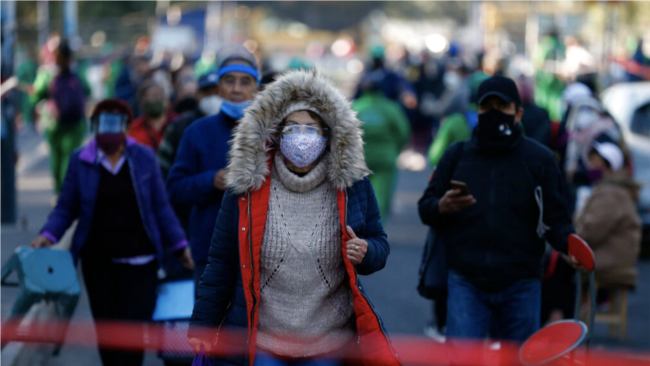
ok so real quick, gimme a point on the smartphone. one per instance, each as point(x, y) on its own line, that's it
point(464, 190)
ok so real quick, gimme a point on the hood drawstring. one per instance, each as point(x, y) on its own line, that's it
point(541, 227)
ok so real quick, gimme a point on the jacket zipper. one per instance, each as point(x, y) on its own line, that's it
point(493, 188)
point(356, 277)
point(222, 321)
point(252, 287)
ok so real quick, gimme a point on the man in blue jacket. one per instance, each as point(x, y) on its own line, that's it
point(197, 175)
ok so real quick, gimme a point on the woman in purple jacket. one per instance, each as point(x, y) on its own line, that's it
point(114, 188)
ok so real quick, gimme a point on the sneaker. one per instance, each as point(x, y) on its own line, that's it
point(432, 332)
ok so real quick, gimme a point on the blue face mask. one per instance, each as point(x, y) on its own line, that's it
point(234, 110)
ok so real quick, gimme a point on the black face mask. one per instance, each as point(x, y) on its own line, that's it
point(496, 130)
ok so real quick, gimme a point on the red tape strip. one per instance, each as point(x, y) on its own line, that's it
point(417, 351)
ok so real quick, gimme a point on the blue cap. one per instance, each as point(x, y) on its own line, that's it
point(208, 79)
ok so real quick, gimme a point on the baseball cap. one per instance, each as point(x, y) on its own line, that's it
point(574, 92)
point(611, 153)
point(500, 86)
point(208, 79)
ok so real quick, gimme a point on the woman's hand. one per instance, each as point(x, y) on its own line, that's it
point(186, 259)
point(41, 242)
point(197, 344)
point(356, 248)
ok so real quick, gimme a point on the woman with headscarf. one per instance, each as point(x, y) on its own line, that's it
point(297, 225)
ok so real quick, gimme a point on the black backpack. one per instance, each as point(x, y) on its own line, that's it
point(432, 283)
point(68, 94)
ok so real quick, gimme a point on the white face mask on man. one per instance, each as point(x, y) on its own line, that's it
point(210, 105)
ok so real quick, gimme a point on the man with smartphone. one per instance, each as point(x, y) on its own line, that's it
point(495, 199)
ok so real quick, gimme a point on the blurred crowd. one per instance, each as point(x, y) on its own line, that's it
point(145, 175)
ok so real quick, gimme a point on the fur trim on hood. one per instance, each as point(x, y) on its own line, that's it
point(253, 139)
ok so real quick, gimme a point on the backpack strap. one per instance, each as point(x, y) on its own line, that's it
point(455, 160)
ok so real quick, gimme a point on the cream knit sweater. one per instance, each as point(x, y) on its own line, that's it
point(306, 304)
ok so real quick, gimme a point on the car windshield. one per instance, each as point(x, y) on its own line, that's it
point(641, 121)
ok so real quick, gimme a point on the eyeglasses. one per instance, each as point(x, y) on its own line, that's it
point(305, 130)
point(109, 123)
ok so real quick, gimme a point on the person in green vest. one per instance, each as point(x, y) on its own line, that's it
point(26, 74)
point(549, 87)
point(205, 64)
point(457, 126)
point(63, 118)
point(113, 70)
point(386, 131)
point(113, 65)
point(298, 63)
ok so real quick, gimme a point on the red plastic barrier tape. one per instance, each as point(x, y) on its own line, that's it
point(416, 351)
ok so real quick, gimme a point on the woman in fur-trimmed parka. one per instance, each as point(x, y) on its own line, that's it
point(298, 224)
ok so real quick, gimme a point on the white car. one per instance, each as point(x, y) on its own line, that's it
point(629, 104)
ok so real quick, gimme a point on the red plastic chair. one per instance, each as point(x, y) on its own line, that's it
point(558, 340)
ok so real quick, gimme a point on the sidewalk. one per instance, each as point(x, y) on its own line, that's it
point(34, 192)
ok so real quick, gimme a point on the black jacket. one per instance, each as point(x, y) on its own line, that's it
point(495, 241)
point(166, 156)
point(537, 124)
point(172, 139)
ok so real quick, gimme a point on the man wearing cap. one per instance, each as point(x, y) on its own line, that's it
point(197, 175)
point(496, 233)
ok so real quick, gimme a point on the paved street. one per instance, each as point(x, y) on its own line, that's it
point(392, 290)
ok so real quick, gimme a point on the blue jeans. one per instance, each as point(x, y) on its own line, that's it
point(264, 359)
point(511, 314)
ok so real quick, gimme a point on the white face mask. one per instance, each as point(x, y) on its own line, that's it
point(452, 80)
point(210, 105)
point(585, 117)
